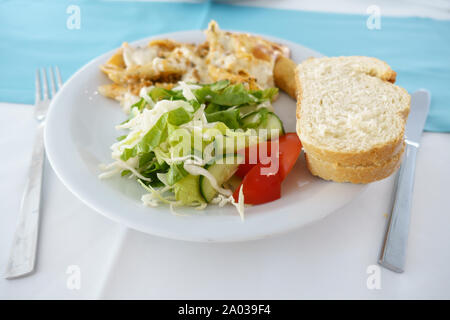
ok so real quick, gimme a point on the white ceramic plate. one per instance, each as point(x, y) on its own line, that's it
point(80, 129)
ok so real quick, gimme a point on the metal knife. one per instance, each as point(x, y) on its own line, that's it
point(393, 253)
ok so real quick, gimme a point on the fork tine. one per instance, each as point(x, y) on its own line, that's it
point(58, 77)
point(52, 81)
point(44, 84)
point(38, 87)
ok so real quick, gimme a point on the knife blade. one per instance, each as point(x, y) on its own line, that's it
point(393, 253)
point(420, 105)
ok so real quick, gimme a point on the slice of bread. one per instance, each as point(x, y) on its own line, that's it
point(350, 117)
point(349, 111)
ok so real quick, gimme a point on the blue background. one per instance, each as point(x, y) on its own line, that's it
point(34, 34)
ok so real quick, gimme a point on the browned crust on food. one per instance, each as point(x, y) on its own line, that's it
point(354, 174)
point(284, 75)
point(164, 43)
point(391, 76)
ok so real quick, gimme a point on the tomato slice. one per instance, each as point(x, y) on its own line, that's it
point(259, 188)
point(289, 148)
point(255, 154)
point(263, 173)
point(243, 169)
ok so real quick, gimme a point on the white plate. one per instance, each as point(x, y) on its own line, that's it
point(80, 129)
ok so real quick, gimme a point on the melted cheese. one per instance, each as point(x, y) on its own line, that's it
point(242, 54)
point(138, 56)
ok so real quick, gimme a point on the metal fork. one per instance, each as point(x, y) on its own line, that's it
point(23, 251)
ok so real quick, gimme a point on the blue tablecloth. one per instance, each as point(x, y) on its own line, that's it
point(35, 33)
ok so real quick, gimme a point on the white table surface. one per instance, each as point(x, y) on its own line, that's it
point(325, 260)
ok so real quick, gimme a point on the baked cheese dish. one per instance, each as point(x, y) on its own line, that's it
point(241, 57)
point(237, 57)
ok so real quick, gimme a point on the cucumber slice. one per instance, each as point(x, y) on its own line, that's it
point(245, 110)
point(187, 191)
point(253, 119)
point(222, 172)
point(273, 123)
point(263, 119)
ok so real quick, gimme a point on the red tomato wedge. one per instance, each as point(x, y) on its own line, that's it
point(255, 154)
point(259, 188)
point(263, 172)
point(289, 148)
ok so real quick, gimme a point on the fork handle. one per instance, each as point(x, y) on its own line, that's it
point(394, 250)
point(23, 251)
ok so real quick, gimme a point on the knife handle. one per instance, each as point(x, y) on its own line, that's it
point(394, 250)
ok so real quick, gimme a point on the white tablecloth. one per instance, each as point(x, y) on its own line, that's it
point(329, 259)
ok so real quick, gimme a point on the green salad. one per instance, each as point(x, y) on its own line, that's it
point(182, 144)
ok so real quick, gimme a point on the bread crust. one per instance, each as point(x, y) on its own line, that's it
point(354, 174)
point(375, 156)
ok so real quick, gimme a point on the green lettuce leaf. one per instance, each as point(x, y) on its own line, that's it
point(125, 173)
point(179, 116)
point(224, 94)
point(121, 137)
point(264, 95)
point(158, 94)
point(156, 135)
point(233, 95)
point(229, 117)
point(140, 105)
point(146, 160)
point(219, 85)
point(175, 174)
